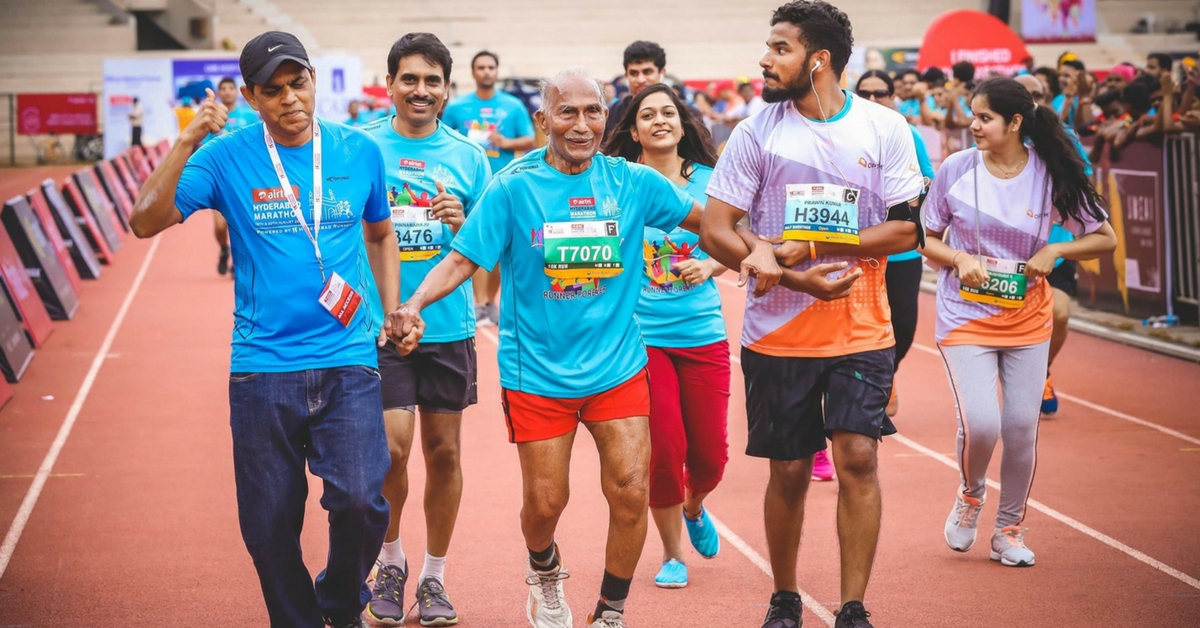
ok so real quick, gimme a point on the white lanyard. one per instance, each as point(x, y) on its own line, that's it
point(290, 195)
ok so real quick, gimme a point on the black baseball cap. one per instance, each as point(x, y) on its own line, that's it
point(262, 55)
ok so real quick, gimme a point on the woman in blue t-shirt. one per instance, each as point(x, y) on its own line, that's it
point(680, 315)
point(903, 276)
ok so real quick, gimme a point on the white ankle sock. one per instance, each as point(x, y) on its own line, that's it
point(392, 554)
point(434, 567)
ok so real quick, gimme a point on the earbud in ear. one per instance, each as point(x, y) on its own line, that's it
point(817, 65)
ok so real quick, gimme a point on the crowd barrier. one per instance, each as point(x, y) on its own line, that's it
point(56, 237)
point(1153, 191)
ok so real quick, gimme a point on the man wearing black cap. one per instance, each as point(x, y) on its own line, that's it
point(304, 386)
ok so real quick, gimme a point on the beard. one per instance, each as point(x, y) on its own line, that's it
point(795, 89)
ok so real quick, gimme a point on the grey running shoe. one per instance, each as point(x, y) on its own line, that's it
point(493, 313)
point(481, 316)
point(387, 597)
point(433, 606)
point(852, 615)
point(1008, 547)
point(960, 525)
point(784, 611)
point(547, 603)
point(607, 619)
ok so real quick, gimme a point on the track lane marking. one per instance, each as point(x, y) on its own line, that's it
point(39, 481)
point(1072, 398)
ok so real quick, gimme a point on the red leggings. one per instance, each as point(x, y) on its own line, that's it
point(689, 404)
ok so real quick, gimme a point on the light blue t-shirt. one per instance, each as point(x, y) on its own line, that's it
point(412, 167)
point(242, 116)
point(279, 326)
point(568, 338)
point(926, 166)
point(673, 313)
point(477, 119)
point(910, 107)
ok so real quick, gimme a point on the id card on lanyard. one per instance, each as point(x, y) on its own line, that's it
point(345, 304)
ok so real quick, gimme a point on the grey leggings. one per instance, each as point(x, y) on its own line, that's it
point(985, 414)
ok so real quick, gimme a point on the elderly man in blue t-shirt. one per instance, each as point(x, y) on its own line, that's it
point(300, 197)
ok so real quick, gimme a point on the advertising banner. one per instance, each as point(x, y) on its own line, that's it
point(148, 80)
point(972, 36)
point(58, 114)
point(1058, 21)
point(1131, 280)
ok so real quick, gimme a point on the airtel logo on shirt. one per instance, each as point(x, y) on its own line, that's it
point(267, 195)
point(583, 202)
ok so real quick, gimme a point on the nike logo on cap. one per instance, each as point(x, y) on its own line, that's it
point(272, 49)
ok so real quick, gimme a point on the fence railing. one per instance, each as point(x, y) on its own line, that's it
point(1183, 206)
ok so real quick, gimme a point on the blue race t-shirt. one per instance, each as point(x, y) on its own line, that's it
point(413, 166)
point(478, 119)
point(569, 337)
point(910, 107)
point(926, 166)
point(279, 326)
point(672, 312)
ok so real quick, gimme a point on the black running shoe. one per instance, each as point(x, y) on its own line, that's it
point(784, 611)
point(223, 261)
point(852, 615)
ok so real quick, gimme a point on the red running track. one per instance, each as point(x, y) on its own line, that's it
point(136, 526)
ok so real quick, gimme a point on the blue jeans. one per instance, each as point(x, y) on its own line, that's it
point(333, 419)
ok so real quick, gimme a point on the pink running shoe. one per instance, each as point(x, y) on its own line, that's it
point(822, 470)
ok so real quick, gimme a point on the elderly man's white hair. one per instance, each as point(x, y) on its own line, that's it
point(562, 76)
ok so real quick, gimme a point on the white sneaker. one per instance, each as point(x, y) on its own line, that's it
point(547, 604)
point(1008, 547)
point(607, 619)
point(960, 525)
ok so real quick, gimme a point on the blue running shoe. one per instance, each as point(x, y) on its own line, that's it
point(1049, 399)
point(702, 534)
point(673, 575)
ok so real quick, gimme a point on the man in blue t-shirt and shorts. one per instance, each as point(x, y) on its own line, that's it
point(434, 177)
point(498, 122)
point(301, 196)
point(565, 225)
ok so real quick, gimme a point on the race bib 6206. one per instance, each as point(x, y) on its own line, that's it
point(1005, 286)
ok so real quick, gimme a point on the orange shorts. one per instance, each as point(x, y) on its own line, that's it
point(534, 417)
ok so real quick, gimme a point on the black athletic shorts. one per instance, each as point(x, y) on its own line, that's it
point(438, 377)
point(794, 404)
point(1063, 277)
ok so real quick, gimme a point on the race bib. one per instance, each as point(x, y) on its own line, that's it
point(483, 137)
point(340, 300)
point(821, 213)
point(1005, 286)
point(420, 234)
point(582, 250)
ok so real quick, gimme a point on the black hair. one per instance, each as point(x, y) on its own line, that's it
point(640, 51)
point(1165, 62)
point(695, 147)
point(881, 75)
point(425, 44)
point(822, 27)
point(903, 72)
point(135, 100)
point(1136, 95)
point(485, 53)
point(1051, 78)
point(964, 72)
point(1107, 97)
point(704, 95)
point(934, 77)
point(227, 79)
point(1075, 63)
point(1072, 192)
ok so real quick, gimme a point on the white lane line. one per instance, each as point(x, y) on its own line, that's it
point(1050, 512)
point(1095, 406)
point(811, 603)
point(1072, 398)
point(1061, 518)
point(39, 481)
point(742, 546)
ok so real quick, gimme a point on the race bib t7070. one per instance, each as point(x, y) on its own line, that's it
point(417, 231)
point(821, 213)
point(1005, 286)
point(589, 249)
